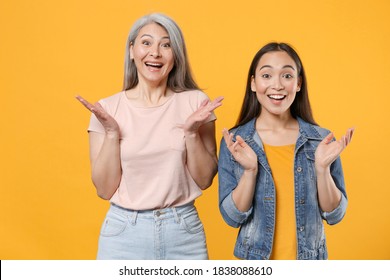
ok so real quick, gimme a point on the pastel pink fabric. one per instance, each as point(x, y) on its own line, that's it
point(153, 152)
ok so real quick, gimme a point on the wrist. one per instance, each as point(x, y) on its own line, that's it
point(322, 169)
point(190, 134)
point(251, 171)
point(112, 135)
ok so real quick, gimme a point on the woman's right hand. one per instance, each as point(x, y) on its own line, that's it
point(241, 151)
point(109, 123)
point(243, 194)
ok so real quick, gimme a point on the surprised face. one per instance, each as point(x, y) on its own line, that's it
point(276, 83)
point(152, 54)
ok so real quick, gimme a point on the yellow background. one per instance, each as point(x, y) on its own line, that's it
point(52, 50)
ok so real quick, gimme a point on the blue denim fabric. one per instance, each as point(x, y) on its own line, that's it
point(166, 234)
point(257, 226)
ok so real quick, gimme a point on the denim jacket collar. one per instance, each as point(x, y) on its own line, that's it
point(306, 131)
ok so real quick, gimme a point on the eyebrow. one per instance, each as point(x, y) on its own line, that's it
point(285, 66)
point(147, 35)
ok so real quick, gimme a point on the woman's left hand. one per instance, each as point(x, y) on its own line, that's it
point(328, 150)
point(197, 118)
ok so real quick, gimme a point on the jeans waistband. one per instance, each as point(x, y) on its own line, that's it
point(157, 214)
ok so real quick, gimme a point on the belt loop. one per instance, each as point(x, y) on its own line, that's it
point(176, 215)
point(134, 217)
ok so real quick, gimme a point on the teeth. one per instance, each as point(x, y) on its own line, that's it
point(154, 64)
point(277, 96)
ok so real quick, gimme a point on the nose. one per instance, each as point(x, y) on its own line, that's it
point(155, 51)
point(277, 83)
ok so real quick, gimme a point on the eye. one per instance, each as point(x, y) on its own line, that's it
point(166, 45)
point(288, 76)
point(145, 42)
point(266, 76)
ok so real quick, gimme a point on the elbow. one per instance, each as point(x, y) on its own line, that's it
point(228, 220)
point(337, 214)
point(205, 185)
point(207, 181)
point(104, 195)
point(104, 192)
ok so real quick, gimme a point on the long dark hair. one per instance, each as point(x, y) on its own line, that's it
point(251, 107)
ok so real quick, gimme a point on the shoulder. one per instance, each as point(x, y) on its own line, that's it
point(192, 98)
point(111, 103)
point(311, 130)
point(112, 99)
point(245, 130)
point(193, 95)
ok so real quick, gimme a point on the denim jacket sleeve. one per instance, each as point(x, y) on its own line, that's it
point(336, 215)
point(227, 183)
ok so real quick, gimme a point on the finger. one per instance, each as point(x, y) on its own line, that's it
point(204, 115)
point(225, 133)
point(227, 137)
point(204, 103)
point(241, 141)
point(84, 102)
point(217, 102)
point(97, 107)
point(350, 133)
point(345, 141)
point(348, 136)
point(219, 98)
point(328, 138)
point(214, 106)
point(340, 142)
point(211, 105)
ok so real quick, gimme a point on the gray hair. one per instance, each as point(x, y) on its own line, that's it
point(180, 78)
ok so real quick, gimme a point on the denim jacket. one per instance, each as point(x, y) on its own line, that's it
point(257, 225)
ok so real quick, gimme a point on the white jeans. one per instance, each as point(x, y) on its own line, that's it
point(167, 234)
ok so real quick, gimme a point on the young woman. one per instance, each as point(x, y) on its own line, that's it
point(152, 150)
point(280, 174)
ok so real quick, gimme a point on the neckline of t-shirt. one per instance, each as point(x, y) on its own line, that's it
point(169, 100)
point(279, 146)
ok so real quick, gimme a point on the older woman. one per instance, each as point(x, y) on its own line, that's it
point(153, 149)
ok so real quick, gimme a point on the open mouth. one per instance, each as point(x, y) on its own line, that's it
point(277, 96)
point(154, 65)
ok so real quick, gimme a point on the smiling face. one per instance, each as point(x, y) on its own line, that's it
point(276, 83)
point(152, 54)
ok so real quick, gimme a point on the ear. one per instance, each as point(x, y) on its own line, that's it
point(299, 84)
point(253, 84)
point(131, 51)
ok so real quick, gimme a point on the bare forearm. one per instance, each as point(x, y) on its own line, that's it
point(329, 195)
point(243, 193)
point(201, 164)
point(106, 168)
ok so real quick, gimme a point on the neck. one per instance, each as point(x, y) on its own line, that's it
point(150, 94)
point(268, 121)
point(277, 130)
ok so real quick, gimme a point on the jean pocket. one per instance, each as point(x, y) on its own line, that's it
point(113, 226)
point(192, 224)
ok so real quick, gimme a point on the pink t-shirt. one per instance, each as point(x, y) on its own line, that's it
point(153, 152)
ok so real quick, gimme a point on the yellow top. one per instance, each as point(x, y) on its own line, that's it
point(281, 161)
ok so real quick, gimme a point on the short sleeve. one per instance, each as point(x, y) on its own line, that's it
point(201, 97)
point(94, 124)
